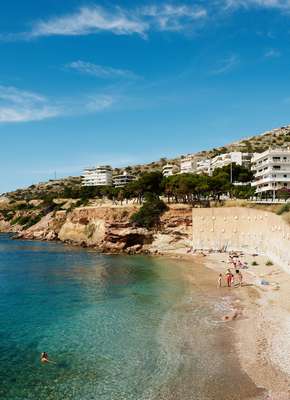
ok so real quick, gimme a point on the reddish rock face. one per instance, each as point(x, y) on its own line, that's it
point(108, 229)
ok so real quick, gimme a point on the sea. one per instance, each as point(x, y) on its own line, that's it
point(115, 327)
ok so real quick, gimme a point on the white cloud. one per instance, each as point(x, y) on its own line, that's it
point(99, 103)
point(272, 53)
point(94, 19)
point(226, 65)
point(278, 4)
point(23, 106)
point(90, 20)
point(100, 71)
point(168, 17)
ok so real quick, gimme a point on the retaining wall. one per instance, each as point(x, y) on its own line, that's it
point(242, 229)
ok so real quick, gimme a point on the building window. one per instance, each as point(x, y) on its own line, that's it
point(276, 166)
point(284, 176)
point(276, 158)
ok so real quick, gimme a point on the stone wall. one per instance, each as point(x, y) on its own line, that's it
point(242, 229)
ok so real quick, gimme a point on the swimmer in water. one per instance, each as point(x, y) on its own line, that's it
point(44, 357)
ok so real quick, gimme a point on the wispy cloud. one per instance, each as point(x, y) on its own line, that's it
point(168, 17)
point(278, 4)
point(100, 71)
point(272, 53)
point(88, 20)
point(226, 65)
point(141, 20)
point(120, 21)
point(22, 106)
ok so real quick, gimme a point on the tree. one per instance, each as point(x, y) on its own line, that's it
point(239, 173)
point(149, 214)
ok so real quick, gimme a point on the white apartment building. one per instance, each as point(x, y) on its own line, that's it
point(122, 179)
point(187, 166)
point(168, 170)
point(236, 157)
point(204, 167)
point(207, 166)
point(271, 170)
point(97, 176)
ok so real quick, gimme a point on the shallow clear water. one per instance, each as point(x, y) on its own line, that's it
point(117, 327)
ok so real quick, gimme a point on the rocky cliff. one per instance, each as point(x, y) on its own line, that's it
point(108, 229)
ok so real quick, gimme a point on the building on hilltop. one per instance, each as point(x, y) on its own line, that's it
point(204, 167)
point(168, 170)
point(237, 157)
point(187, 166)
point(97, 176)
point(207, 166)
point(123, 179)
point(271, 171)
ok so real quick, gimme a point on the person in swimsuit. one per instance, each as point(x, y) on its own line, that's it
point(44, 357)
point(229, 277)
point(239, 278)
point(219, 282)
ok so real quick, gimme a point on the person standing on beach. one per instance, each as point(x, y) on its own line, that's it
point(219, 282)
point(229, 277)
point(239, 278)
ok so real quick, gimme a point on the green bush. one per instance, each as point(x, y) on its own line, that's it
point(149, 214)
point(283, 209)
point(254, 263)
point(269, 263)
point(23, 206)
point(27, 220)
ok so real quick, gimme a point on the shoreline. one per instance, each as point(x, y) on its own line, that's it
point(261, 330)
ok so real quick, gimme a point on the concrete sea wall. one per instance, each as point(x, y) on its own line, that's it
point(242, 229)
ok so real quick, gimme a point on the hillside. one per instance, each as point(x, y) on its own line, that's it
point(279, 137)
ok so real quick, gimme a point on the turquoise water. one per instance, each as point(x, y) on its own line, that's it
point(118, 328)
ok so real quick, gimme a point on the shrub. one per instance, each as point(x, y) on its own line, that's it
point(254, 263)
point(149, 214)
point(283, 209)
point(269, 263)
point(23, 206)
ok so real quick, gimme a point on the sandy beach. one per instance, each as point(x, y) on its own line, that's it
point(262, 328)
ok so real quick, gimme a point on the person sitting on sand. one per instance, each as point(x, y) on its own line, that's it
point(219, 282)
point(229, 277)
point(44, 357)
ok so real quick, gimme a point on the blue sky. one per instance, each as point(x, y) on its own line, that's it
point(86, 82)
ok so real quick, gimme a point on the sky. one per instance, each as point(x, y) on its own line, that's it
point(90, 82)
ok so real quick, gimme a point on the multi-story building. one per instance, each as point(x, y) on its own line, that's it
point(236, 157)
point(271, 170)
point(97, 176)
point(168, 170)
point(123, 179)
point(207, 166)
point(204, 167)
point(187, 166)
